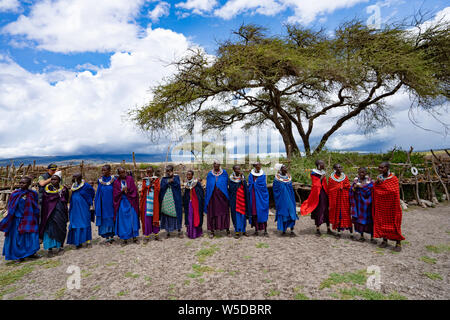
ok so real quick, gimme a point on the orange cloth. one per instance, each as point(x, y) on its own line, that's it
point(143, 202)
point(313, 199)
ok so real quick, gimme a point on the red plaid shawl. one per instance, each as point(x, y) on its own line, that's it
point(387, 213)
point(339, 203)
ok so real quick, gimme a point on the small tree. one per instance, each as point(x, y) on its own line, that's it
point(292, 81)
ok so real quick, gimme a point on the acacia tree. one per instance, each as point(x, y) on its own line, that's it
point(292, 81)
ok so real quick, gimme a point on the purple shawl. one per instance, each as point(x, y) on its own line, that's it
point(49, 201)
point(132, 194)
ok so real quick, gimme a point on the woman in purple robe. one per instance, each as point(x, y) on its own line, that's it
point(216, 202)
point(126, 207)
point(54, 215)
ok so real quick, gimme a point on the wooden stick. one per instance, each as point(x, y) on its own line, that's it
point(437, 159)
point(443, 184)
point(447, 152)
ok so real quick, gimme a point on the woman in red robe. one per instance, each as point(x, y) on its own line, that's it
point(317, 202)
point(387, 212)
point(339, 205)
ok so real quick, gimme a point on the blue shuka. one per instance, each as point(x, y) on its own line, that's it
point(80, 215)
point(221, 183)
point(283, 193)
point(261, 196)
point(104, 208)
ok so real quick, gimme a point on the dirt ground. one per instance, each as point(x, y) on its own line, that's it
point(302, 267)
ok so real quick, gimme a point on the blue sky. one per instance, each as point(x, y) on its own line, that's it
point(71, 69)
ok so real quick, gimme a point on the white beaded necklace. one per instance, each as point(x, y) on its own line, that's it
point(340, 179)
point(106, 183)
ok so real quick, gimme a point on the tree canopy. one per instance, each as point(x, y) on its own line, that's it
point(292, 80)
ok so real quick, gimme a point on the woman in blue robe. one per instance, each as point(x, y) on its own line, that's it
point(126, 207)
point(79, 212)
point(104, 205)
point(170, 203)
point(239, 201)
point(259, 199)
point(216, 200)
point(21, 225)
point(283, 193)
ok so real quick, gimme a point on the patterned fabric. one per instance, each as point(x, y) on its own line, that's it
point(168, 204)
point(29, 222)
point(155, 186)
point(240, 200)
point(150, 195)
point(361, 202)
point(339, 203)
point(387, 213)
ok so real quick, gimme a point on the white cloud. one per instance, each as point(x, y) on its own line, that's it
point(9, 5)
point(197, 6)
point(162, 9)
point(79, 25)
point(305, 11)
point(235, 7)
point(82, 111)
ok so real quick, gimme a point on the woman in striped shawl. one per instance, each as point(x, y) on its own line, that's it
point(149, 205)
point(360, 196)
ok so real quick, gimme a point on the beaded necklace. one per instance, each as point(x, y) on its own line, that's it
point(390, 175)
point(217, 173)
point(75, 187)
point(282, 178)
point(106, 183)
point(257, 174)
point(54, 191)
point(340, 179)
point(235, 178)
point(191, 183)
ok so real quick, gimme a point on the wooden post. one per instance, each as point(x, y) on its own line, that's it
point(432, 192)
point(82, 168)
point(442, 182)
point(135, 167)
point(416, 193)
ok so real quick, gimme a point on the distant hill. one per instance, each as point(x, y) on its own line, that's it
point(88, 158)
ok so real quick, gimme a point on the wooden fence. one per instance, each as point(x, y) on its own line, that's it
point(433, 174)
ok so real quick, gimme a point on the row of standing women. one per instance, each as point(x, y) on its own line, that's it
point(119, 209)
